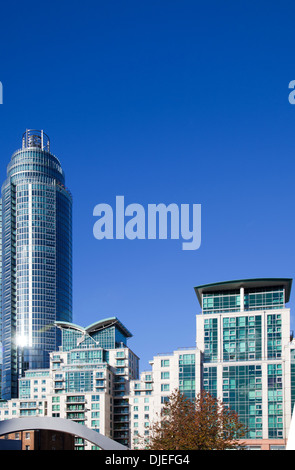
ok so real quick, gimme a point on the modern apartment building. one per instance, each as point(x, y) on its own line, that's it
point(36, 258)
point(245, 356)
point(87, 382)
point(244, 333)
point(178, 370)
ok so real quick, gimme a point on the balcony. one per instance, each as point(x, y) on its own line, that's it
point(78, 417)
point(121, 419)
point(124, 411)
point(76, 399)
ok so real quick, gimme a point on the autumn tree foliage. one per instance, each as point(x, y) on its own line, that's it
point(201, 424)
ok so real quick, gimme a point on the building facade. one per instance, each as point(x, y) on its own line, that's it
point(38, 440)
point(244, 333)
point(245, 356)
point(181, 370)
point(87, 381)
point(36, 258)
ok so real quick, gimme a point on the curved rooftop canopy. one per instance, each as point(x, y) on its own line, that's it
point(286, 283)
point(62, 425)
point(97, 326)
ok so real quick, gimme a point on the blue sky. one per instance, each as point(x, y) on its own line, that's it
point(160, 101)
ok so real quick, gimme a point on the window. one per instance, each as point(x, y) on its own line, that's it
point(95, 424)
point(165, 363)
point(165, 375)
point(95, 397)
point(165, 387)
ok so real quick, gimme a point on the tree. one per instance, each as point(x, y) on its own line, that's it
point(204, 423)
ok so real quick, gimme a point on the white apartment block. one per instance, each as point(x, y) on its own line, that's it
point(245, 356)
point(180, 369)
point(248, 354)
point(87, 382)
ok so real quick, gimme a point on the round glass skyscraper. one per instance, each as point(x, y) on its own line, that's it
point(36, 258)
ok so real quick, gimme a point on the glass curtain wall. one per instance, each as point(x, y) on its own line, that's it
point(37, 259)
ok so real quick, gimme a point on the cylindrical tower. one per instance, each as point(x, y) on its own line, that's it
point(36, 258)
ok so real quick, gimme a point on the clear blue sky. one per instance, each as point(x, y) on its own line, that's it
point(160, 101)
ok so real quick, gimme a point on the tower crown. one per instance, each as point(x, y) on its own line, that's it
point(36, 138)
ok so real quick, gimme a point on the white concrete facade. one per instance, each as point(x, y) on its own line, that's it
point(149, 394)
